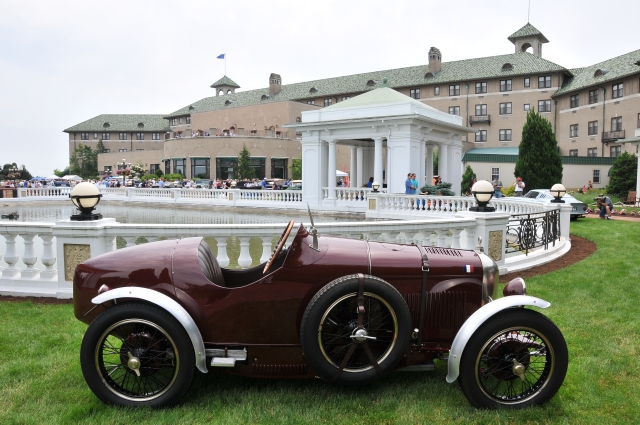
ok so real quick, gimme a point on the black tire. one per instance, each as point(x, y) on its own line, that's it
point(331, 318)
point(163, 362)
point(518, 358)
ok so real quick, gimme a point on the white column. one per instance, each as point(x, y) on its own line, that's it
point(421, 172)
point(443, 162)
point(331, 170)
point(377, 162)
point(388, 175)
point(429, 172)
point(455, 166)
point(353, 167)
point(359, 165)
point(313, 169)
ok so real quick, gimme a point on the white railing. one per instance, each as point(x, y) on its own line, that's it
point(350, 194)
point(44, 192)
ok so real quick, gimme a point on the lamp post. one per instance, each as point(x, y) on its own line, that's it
point(558, 191)
point(85, 196)
point(14, 173)
point(483, 191)
point(375, 186)
point(123, 167)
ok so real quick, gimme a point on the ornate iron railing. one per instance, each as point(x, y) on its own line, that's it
point(529, 231)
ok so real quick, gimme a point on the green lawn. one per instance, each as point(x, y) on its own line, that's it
point(594, 302)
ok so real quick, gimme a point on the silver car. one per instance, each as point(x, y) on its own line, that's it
point(579, 208)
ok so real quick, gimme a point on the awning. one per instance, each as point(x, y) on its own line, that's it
point(200, 157)
point(165, 159)
point(180, 158)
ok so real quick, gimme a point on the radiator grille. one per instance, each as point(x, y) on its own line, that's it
point(279, 369)
point(444, 310)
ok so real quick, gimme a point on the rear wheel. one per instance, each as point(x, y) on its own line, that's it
point(348, 344)
point(518, 358)
point(137, 355)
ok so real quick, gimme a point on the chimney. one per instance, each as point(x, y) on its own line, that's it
point(275, 84)
point(435, 60)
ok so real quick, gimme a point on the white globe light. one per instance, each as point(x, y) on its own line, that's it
point(558, 190)
point(85, 189)
point(482, 190)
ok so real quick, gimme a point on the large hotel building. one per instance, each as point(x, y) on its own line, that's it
point(591, 110)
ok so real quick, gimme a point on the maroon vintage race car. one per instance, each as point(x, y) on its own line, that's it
point(343, 310)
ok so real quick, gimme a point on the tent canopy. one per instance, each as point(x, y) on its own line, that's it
point(52, 177)
point(72, 177)
point(341, 173)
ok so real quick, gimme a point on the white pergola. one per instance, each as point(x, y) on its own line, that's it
point(388, 133)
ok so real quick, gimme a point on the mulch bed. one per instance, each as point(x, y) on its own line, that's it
point(580, 249)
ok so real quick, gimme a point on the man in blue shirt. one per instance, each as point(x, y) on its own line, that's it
point(264, 183)
point(408, 185)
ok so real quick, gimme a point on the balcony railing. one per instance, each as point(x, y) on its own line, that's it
point(474, 119)
point(612, 136)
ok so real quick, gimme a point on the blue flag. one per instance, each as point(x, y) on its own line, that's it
point(221, 56)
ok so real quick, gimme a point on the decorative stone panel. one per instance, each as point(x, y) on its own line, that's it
point(372, 204)
point(495, 245)
point(73, 255)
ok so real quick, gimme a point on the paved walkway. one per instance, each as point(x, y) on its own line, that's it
point(617, 217)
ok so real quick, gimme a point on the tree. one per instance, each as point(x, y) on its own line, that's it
point(159, 172)
point(296, 168)
point(436, 153)
point(244, 170)
point(61, 173)
point(138, 170)
point(84, 162)
point(539, 163)
point(467, 180)
point(623, 175)
point(100, 147)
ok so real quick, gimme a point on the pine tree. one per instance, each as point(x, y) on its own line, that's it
point(623, 175)
point(539, 163)
point(296, 168)
point(244, 170)
point(467, 180)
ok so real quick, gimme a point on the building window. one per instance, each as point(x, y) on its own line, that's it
point(309, 102)
point(616, 124)
point(454, 90)
point(106, 150)
point(593, 96)
point(122, 150)
point(573, 130)
point(495, 173)
point(505, 108)
point(138, 150)
point(188, 120)
point(505, 135)
point(153, 168)
point(180, 120)
point(139, 136)
point(527, 106)
point(593, 128)
point(106, 136)
point(505, 85)
point(95, 135)
point(573, 152)
point(84, 136)
point(480, 87)
point(279, 168)
point(544, 82)
point(544, 106)
point(615, 151)
point(575, 101)
point(596, 176)
point(617, 91)
point(592, 152)
point(481, 109)
point(200, 168)
point(414, 93)
point(328, 102)
point(107, 169)
point(527, 82)
point(454, 110)
point(345, 98)
point(481, 136)
point(123, 136)
point(174, 121)
point(167, 167)
point(178, 166)
point(436, 91)
point(155, 136)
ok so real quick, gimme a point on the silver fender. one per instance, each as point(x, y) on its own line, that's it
point(477, 319)
point(166, 303)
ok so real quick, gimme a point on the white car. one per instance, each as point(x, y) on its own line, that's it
point(544, 195)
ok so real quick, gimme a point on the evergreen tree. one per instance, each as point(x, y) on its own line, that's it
point(436, 153)
point(244, 170)
point(84, 161)
point(623, 175)
point(296, 168)
point(539, 163)
point(467, 180)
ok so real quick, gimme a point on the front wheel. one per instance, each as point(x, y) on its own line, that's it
point(518, 358)
point(137, 355)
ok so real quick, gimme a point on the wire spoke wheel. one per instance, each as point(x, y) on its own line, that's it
point(338, 326)
point(154, 367)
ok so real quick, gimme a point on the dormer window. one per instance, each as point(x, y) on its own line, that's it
point(600, 72)
point(106, 125)
point(429, 75)
point(371, 83)
point(264, 97)
point(313, 90)
point(507, 67)
point(191, 107)
point(228, 102)
point(140, 125)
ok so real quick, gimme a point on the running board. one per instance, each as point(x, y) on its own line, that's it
point(221, 357)
point(423, 367)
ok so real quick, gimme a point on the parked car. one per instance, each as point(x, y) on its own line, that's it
point(295, 185)
point(579, 208)
point(275, 184)
point(61, 183)
point(344, 310)
point(203, 184)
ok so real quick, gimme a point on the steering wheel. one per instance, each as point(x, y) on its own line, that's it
point(279, 246)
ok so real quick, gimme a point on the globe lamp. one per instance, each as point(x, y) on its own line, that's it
point(85, 196)
point(558, 191)
point(375, 186)
point(483, 191)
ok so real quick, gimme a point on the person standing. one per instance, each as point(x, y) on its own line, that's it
point(497, 188)
point(414, 183)
point(408, 185)
point(519, 187)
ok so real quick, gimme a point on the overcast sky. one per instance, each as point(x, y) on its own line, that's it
point(63, 62)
